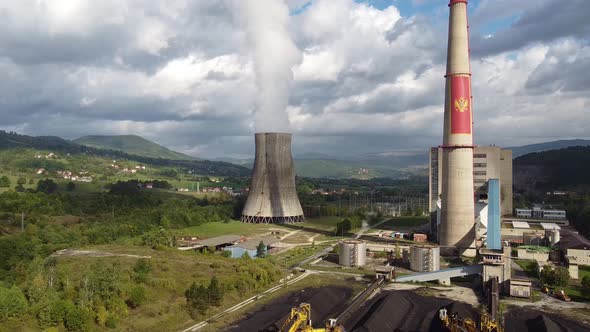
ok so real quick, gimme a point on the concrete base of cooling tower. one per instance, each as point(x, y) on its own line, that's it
point(273, 220)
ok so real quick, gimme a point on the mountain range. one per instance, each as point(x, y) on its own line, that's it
point(14, 141)
point(393, 164)
point(132, 144)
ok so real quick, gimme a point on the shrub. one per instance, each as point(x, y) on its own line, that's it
point(58, 311)
point(12, 302)
point(77, 319)
point(137, 297)
point(111, 322)
point(159, 239)
point(559, 276)
point(142, 269)
point(4, 181)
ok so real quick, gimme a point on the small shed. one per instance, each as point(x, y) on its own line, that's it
point(418, 237)
point(520, 287)
point(219, 242)
point(251, 246)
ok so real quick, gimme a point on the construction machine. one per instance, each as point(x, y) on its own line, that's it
point(456, 323)
point(299, 320)
point(560, 294)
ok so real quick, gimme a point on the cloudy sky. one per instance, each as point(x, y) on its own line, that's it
point(369, 77)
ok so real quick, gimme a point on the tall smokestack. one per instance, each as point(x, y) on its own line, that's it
point(273, 197)
point(457, 226)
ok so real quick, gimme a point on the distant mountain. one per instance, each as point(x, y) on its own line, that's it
point(132, 144)
point(10, 140)
point(563, 169)
point(391, 164)
point(540, 147)
point(332, 168)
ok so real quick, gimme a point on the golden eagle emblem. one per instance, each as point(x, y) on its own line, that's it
point(461, 104)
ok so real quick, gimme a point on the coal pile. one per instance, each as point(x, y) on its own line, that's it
point(522, 320)
point(405, 311)
point(326, 302)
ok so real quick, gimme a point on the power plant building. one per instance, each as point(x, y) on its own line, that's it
point(352, 253)
point(489, 162)
point(273, 196)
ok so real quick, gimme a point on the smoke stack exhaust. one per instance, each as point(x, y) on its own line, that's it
point(457, 226)
point(273, 197)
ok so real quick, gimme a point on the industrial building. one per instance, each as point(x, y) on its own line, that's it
point(352, 252)
point(496, 264)
point(273, 197)
point(251, 246)
point(540, 213)
point(424, 258)
point(576, 249)
point(214, 243)
point(489, 162)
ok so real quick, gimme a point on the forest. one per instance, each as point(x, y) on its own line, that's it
point(51, 292)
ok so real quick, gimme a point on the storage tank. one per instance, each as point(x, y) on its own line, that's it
point(352, 252)
point(552, 235)
point(424, 258)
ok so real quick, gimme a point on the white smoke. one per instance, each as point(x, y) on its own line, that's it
point(265, 22)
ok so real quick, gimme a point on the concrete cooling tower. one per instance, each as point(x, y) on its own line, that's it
point(272, 197)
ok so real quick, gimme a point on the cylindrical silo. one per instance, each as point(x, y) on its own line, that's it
point(424, 258)
point(273, 197)
point(553, 236)
point(352, 253)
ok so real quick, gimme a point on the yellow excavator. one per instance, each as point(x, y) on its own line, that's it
point(456, 323)
point(299, 320)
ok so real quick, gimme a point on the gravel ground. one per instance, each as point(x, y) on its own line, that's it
point(521, 320)
point(326, 302)
point(405, 311)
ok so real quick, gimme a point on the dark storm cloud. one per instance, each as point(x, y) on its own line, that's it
point(543, 23)
point(562, 76)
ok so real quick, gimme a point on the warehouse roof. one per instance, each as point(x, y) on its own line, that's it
point(520, 224)
point(252, 244)
point(550, 225)
point(219, 240)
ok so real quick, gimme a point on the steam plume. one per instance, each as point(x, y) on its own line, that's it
point(274, 52)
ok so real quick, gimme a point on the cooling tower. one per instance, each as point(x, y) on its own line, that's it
point(457, 225)
point(272, 197)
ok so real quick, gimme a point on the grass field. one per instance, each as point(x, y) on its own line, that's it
point(399, 222)
point(233, 227)
point(529, 266)
point(583, 271)
point(296, 255)
point(322, 223)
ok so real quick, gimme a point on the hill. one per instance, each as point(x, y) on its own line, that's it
point(560, 169)
point(10, 140)
point(132, 144)
point(392, 164)
point(518, 151)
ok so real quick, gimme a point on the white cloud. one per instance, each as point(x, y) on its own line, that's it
point(182, 73)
